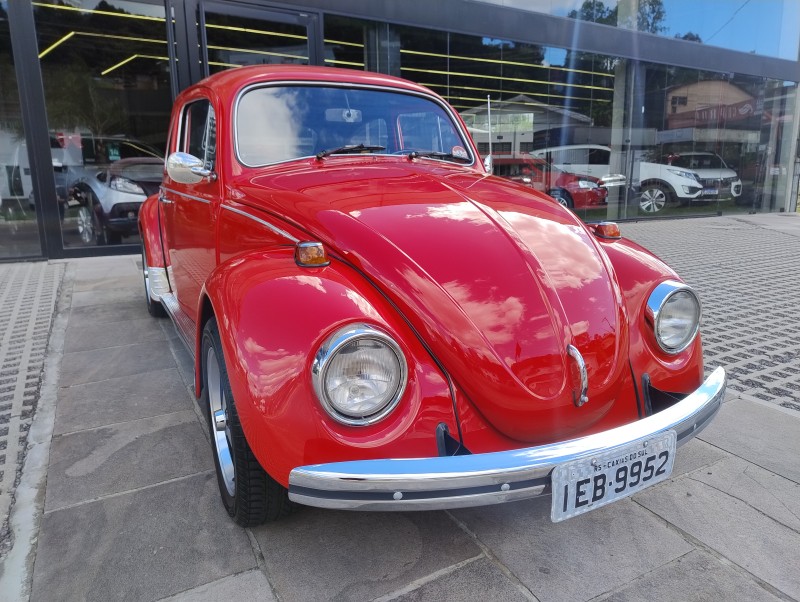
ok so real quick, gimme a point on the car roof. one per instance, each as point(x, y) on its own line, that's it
point(229, 82)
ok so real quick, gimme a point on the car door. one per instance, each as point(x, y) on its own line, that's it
point(189, 211)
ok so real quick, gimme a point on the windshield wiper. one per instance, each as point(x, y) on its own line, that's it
point(349, 148)
point(438, 155)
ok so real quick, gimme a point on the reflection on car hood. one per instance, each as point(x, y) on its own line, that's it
point(496, 279)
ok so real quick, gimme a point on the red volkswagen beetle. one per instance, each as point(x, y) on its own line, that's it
point(378, 324)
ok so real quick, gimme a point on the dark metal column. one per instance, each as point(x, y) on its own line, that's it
point(34, 112)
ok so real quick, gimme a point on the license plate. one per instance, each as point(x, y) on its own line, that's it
point(595, 481)
point(710, 191)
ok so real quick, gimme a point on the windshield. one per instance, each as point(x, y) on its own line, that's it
point(280, 123)
point(698, 161)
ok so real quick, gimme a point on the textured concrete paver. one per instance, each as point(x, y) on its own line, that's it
point(250, 585)
point(696, 577)
point(358, 556)
point(746, 271)
point(120, 399)
point(28, 294)
point(99, 462)
point(101, 336)
point(752, 540)
point(759, 434)
point(475, 580)
point(144, 545)
point(767, 492)
point(578, 559)
point(81, 367)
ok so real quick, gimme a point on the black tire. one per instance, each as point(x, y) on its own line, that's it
point(562, 197)
point(654, 198)
point(248, 493)
point(154, 308)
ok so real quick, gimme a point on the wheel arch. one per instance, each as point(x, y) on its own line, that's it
point(150, 232)
point(269, 360)
point(661, 183)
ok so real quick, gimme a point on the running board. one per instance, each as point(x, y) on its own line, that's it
point(183, 324)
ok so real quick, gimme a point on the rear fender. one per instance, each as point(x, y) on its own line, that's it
point(273, 316)
point(150, 231)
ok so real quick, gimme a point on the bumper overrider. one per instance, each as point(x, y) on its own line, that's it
point(490, 478)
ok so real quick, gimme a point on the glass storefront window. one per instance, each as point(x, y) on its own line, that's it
point(766, 27)
point(19, 233)
point(106, 76)
point(611, 138)
point(233, 41)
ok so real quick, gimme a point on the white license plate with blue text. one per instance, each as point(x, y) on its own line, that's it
point(595, 481)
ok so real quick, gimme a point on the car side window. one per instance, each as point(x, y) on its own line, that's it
point(199, 132)
point(599, 156)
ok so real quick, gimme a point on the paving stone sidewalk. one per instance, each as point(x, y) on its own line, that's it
point(130, 510)
point(28, 293)
point(747, 272)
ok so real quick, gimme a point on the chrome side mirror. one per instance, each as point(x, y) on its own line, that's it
point(488, 164)
point(188, 169)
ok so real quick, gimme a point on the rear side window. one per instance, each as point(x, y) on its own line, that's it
point(599, 156)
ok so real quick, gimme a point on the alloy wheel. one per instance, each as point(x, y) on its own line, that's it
point(86, 224)
point(653, 200)
point(221, 432)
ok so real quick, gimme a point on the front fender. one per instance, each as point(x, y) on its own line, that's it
point(638, 273)
point(273, 316)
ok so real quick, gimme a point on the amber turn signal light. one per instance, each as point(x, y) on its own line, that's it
point(607, 230)
point(310, 254)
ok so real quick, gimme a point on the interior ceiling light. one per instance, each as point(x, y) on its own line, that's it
point(89, 34)
point(348, 63)
point(264, 52)
point(259, 32)
point(504, 62)
point(504, 78)
point(457, 89)
point(56, 44)
point(132, 57)
point(343, 43)
point(98, 12)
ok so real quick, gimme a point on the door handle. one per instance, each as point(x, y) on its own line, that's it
point(165, 200)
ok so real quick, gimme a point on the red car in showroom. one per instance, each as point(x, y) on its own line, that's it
point(379, 324)
point(571, 190)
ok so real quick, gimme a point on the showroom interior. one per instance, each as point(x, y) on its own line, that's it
point(637, 96)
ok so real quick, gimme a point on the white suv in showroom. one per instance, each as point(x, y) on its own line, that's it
point(719, 181)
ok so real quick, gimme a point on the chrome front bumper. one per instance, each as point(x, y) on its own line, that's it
point(491, 478)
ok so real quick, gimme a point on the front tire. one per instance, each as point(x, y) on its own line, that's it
point(250, 496)
point(90, 224)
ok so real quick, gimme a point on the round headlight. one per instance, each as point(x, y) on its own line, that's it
point(675, 313)
point(359, 374)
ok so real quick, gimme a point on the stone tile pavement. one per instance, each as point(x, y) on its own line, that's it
point(118, 498)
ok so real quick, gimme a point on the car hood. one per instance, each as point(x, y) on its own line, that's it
point(715, 173)
point(498, 281)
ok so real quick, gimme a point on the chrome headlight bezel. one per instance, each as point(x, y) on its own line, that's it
point(656, 303)
point(329, 350)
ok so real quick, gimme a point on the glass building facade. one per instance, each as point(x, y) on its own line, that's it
point(676, 107)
